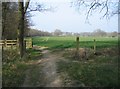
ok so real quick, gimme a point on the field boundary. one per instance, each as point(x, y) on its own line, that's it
point(15, 43)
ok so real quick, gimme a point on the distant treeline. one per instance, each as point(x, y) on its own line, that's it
point(57, 32)
point(34, 32)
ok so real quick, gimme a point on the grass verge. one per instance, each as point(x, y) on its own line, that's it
point(100, 70)
point(14, 68)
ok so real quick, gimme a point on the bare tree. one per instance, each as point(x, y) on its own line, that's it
point(4, 12)
point(99, 32)
point(21, 27)
point(114, 34)
point(57, 32)
point(110, 7)
point(22, 11)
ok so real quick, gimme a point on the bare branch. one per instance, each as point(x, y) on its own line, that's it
point(90, 9)
point(26, 6)
point(106, 5)
point(102, 7)
point(98, 5)
point(39, 8)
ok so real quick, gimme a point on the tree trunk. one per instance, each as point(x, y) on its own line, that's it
point(4, 7)
point(21, 28)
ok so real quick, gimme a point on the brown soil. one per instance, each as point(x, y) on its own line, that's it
point(47, 74)
point(51, 77)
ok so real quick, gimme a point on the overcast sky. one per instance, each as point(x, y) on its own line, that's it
point(68, 19)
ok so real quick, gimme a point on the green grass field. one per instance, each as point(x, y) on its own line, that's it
point(99, 70)
point(70, 42)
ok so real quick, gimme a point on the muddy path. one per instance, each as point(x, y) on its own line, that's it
point(52, 78)
point(43, 73)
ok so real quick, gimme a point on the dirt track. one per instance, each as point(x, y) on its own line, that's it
point(47, 74)
point(52, 79)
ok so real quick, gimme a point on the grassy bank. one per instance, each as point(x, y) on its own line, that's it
point(14, 68)
point(100, 70)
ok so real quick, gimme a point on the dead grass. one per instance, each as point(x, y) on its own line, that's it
point(100, 70)
point(84, 53)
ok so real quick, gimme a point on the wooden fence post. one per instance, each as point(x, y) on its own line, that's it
point(30, 44)
point(94, 46)
point(17, 44)
point(77, 43)
point(77, 56)
point(5, 43)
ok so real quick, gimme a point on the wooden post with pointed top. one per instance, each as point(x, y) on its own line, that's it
point(94, 46)
point(77, 56)
point(77, 43)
